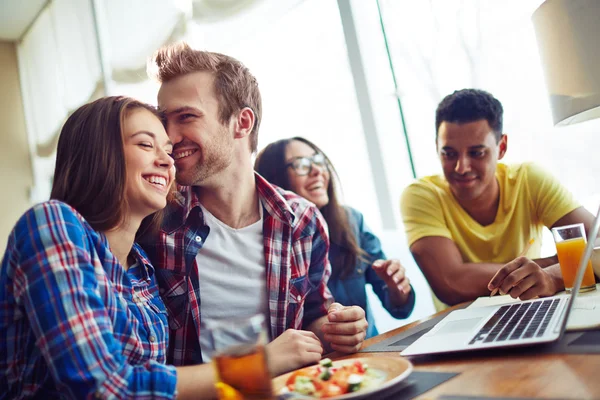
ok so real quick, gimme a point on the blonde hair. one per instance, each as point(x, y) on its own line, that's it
point(234, 85)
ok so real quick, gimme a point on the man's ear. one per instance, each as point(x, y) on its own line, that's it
point(244, 122)
point(502, 146)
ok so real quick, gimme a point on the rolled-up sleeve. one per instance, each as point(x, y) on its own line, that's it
point(320, 298)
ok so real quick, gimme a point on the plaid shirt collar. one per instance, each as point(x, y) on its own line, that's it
point(187, 198)
point(146, 272)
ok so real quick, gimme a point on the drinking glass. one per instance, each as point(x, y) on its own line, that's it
point(570, 244)
point(239, 358)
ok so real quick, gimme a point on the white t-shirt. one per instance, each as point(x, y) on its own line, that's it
point(231, 268)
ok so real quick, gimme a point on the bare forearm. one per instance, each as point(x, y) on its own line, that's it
point(196, 382)
point(547, 261)
point(473, 281)
point(467, 284)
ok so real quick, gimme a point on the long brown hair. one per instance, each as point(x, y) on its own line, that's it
point(234, 86)
point(270, 163)
point(90, 171)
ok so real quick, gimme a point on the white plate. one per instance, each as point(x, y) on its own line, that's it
point(395, 369)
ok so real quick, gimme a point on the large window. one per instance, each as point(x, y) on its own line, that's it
point(302, 68)
point(313, 57)
point(440, 46)
point(298, 54)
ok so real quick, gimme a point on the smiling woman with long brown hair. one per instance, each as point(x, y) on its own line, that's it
point(80, 314)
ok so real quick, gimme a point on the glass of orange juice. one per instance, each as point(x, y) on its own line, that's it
point(239, 358)
point(570, 244)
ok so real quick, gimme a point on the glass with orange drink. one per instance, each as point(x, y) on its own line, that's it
point(570, 244)
point(240, 360)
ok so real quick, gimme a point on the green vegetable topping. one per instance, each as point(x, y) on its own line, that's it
point(354, 382)
point(325, 375)
point(304, 385)
point(326, 362)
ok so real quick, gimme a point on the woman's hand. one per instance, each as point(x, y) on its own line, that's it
point(393, 274)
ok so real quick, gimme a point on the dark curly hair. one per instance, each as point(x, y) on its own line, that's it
point(470, 105)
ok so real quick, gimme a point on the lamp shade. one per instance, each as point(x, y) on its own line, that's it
point(568, 36)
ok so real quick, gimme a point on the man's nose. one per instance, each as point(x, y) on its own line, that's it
point(463, 165)
point(174, 133)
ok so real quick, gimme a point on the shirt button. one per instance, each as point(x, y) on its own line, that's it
point(198, 239)
point(152, 338)
point(299, 298)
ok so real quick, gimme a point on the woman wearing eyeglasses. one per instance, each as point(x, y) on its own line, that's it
point(355, 253)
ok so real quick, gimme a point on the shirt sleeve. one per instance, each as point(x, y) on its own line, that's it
point(422, 213)
point(319, 299)
point(55, 284)
point(551, 200)
point(371, 245)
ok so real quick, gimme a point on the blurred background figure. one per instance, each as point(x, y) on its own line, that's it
point(355, 252)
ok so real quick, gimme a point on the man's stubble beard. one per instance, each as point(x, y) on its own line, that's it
point(210, 163)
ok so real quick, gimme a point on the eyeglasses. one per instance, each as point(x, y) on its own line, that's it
point(303, 165)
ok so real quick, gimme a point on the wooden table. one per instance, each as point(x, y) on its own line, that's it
point(493, 374)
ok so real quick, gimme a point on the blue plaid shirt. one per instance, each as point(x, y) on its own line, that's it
point(73, 322)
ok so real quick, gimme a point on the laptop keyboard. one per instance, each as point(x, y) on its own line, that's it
point(517, 321)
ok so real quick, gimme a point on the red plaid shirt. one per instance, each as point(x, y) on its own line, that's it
point(296, 244)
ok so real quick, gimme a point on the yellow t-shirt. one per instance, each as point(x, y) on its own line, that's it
point(530, 198)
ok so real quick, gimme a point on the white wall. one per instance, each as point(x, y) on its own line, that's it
point(15, 166)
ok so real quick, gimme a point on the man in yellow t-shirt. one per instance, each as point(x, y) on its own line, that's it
point(470, 225)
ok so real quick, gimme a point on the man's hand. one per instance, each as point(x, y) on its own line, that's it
point(393, 274)
point(293, 349)
point(346, 328)
point(523, 278)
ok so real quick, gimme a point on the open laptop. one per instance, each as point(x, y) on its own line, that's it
point(521, 323)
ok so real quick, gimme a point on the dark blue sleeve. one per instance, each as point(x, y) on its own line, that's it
point(371, 245)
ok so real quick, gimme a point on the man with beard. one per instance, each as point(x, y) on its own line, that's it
point(233, 245)
point(465, 227)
